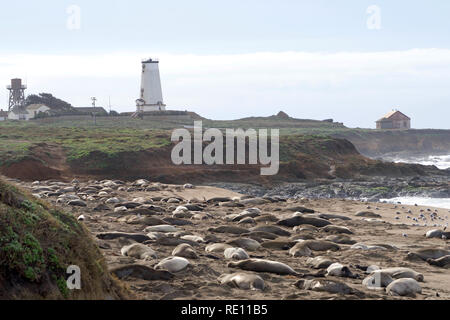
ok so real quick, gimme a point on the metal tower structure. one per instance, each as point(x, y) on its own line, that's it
point(16, 93)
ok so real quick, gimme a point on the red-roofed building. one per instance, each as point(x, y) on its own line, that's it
point(394, 120)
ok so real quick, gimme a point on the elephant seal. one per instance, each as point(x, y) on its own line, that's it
point(340, 239)
point(235, 254)
point(278, 244)
point(329, 286)
point(367, 214)
point(428, 253)
point(404, 287)
point(139, 251)
point(217, 247)
point(261, 235)
point(228, 229)
point(266, 218)
point(184, 250)
point(305, 247)
point(244, 281)
point(272, 229)
point(194, 238)
point(443, 262)
point(339, 270)
point(377, 280)
point(336, 229)
point(301, 219)
point(401, 272)
point(261, 265)
point(319, 262)
point(245, 243)
point(329, 216)
point(164, 228)
point(436, 233)
point(172, 264)
point(141, 272)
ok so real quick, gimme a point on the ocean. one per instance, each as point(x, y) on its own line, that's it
point(442, 162)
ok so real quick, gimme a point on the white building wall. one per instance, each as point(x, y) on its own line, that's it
point(151, 92)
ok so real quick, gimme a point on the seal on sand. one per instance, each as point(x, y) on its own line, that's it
point(138, 251)
point(404, 287)
point(428, 253)
point(304, 248)
point(443, 262)
point(299, 220)
point(401, 272)
point(235, 254)
point(245, 243)
point(172, 264)
point(184, 250)
point(261, 265)
point(243, 281)
point(217, 247)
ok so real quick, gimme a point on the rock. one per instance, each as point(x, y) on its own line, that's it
point(173, 264)
point(141, 272)
point(139, 251)
point(404, 287)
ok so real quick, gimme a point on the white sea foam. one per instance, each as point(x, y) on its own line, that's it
point(442, 162)
point(432, 202)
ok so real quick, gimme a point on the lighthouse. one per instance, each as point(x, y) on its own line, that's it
point(151, 93)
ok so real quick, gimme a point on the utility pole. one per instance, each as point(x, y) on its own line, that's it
point(94, 99)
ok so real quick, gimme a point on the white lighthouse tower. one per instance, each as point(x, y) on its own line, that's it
point(151, 93)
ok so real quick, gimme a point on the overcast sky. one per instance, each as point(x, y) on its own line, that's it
point(351, 60)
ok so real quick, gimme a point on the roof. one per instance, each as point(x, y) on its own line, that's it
point(91, 109)
point(34, 107)
point(390, 114)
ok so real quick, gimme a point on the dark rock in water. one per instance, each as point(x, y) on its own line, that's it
point(300, 209)
point(272, 229)
point(114, 235)
point(299, 220)
point(141, 272)
point(177, 221)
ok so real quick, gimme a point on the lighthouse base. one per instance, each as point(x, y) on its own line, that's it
point(151, 107)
